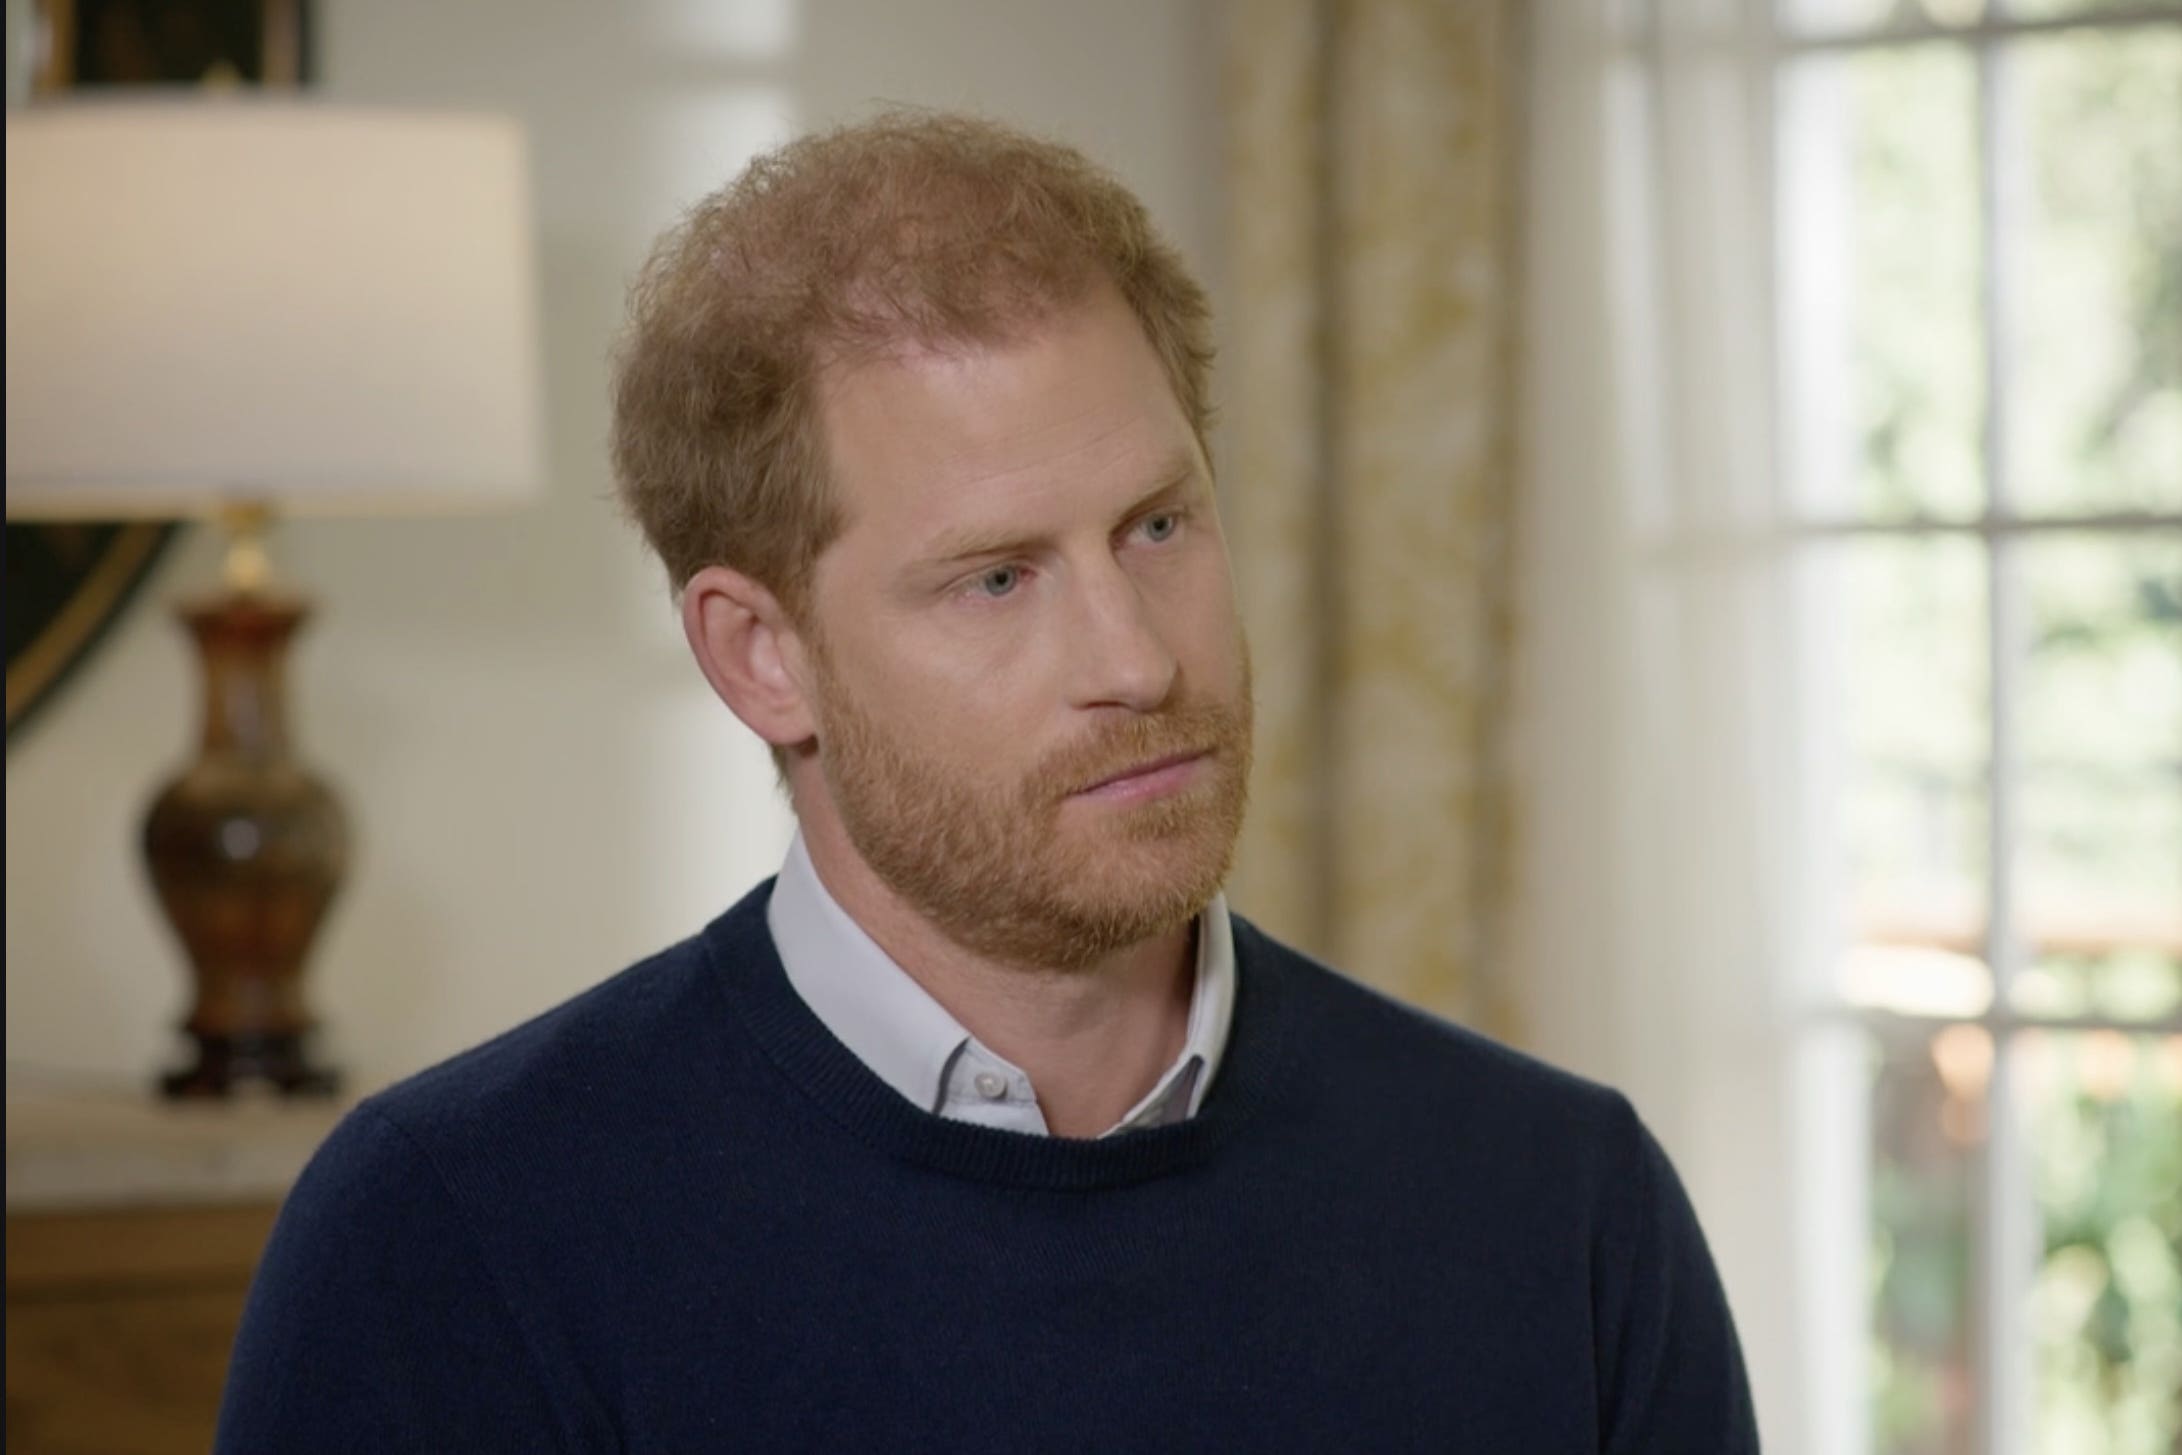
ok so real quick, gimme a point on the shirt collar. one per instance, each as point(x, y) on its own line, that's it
point(909, 1040)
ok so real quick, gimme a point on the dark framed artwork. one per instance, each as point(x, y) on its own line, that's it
point(67, 584)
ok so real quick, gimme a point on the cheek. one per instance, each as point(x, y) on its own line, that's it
point(1206, 630)
point(982, 679)
point(969, 721)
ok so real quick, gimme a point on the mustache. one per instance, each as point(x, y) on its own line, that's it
point(1191, 728)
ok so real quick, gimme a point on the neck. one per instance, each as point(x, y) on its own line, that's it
point(1093, 1040)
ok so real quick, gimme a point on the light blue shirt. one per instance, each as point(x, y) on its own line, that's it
point(895, 1027)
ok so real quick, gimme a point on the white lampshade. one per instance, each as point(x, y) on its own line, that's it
point(328, 310)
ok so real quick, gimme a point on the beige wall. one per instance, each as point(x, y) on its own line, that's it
point(544, 787)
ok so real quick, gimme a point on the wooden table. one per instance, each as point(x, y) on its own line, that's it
point(133, 1229)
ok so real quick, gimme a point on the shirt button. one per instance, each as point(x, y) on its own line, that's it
point(990, 1085)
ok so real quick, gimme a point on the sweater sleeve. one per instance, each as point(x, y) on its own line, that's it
point(1670, 1369)
point(374, 1324)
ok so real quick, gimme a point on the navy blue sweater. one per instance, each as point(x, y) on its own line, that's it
point(676, 1215)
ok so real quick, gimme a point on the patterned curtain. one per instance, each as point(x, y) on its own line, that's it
point(1371, 152)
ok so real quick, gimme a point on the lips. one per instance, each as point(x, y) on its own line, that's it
point(1139, 770)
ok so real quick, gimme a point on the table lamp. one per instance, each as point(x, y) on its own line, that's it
point(233, 309)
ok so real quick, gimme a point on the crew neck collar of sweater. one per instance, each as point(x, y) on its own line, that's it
point(746, 965)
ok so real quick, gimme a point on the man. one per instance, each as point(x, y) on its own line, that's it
point(984, 1126)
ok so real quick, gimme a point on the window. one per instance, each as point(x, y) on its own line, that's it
point(1978, 242)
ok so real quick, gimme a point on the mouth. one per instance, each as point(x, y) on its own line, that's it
point(1148, 779)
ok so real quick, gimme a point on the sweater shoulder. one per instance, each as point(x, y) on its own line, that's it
point(633, 1039)
point(1436, 1075)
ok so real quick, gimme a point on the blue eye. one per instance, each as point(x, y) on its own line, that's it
point(1162, 527)
point(999, 581)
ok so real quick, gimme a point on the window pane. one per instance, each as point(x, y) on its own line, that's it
point(2100, 856)
point(1946, 12)
point(2046, 9)
point(2095, 420)
point(1928, 1119)
point(1903, 680)
point(1836, 16)
point(1883, 357)
point(2137, 982)
point(2103, 1114)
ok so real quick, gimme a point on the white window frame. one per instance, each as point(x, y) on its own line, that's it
point(2005, 1233)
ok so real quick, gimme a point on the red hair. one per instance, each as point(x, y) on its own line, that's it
point(912, 228)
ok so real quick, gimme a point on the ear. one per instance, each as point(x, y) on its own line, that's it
point(749, 651)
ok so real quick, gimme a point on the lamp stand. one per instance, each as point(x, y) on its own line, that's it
point(245, 846)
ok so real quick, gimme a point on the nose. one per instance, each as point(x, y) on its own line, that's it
point(1122, 658)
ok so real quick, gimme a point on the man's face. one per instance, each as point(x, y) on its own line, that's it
point(1029, 602)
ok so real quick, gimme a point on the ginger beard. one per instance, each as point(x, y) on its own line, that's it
point(1018, 872)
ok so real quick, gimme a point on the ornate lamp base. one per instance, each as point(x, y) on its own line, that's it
point(246, 849)
point(226, 1062)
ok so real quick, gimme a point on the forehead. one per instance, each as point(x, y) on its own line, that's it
point(1076, 408)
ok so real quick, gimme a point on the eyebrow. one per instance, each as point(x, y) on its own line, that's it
point(959, 547)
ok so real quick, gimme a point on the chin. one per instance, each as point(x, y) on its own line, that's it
point(1153, 875)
